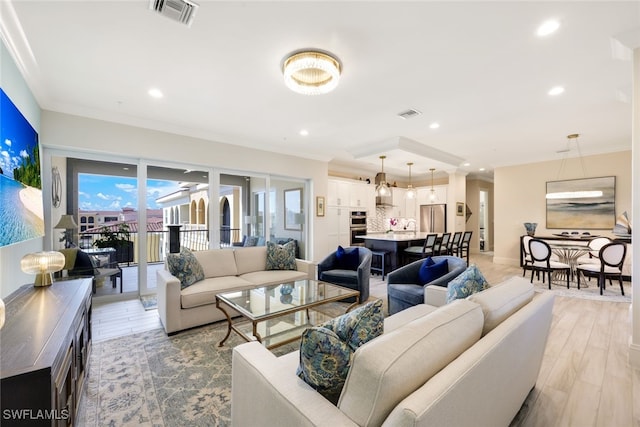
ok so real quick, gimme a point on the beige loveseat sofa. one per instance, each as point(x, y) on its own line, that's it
point(224, 270)
point(468, 363)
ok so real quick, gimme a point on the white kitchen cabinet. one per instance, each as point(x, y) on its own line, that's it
point(338, 231)
point(362, 197)
point(338, 192)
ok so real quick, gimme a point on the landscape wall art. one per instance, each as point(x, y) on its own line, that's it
point(21, 205)
point(573, 213)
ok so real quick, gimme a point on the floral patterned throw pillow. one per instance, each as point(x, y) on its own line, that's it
point(468, 282)
point(326, 350)
point(185, 267)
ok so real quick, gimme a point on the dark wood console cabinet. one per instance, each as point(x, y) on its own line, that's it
point(44, 355)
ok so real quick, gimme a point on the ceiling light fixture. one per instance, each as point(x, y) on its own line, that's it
point(411, 192)
point(155, 93)
point(434, 125)
point(547, 27)
point(382, 189)
point(555, 91)
point(304, 132)
point(432, 192)
point(577, 194)
point(311, 72)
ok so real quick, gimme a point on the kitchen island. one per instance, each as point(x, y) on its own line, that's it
point(394, 242)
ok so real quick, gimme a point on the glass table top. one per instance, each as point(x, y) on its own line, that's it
point(277, 300)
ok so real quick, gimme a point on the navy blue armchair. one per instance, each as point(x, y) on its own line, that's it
point(404, 289)
point(329, 271)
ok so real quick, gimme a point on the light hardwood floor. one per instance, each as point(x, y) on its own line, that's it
point(585, 379)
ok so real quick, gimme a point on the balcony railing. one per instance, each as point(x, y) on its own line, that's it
point(192, 237)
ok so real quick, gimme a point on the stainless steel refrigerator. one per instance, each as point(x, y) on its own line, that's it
point(433, 218)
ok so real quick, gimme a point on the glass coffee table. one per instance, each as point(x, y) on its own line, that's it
point(276, 315)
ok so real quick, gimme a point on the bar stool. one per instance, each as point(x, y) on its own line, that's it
point(379, 262)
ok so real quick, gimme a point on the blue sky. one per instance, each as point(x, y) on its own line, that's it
point(100, 192)
point(17, 136)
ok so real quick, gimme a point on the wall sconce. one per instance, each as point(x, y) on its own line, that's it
point(42, 264)
point(68, 224)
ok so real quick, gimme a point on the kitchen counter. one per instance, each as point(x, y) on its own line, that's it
point(394, 243)
point(395, 236)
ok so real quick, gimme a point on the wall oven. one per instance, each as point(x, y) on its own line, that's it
point(358, 227)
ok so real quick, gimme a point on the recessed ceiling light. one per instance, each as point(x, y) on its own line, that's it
point(482, 169)
point(556, 91)
point(466, 164)
point(547, 27)
point(434, 125)
point(155, 93)
point(304, 132)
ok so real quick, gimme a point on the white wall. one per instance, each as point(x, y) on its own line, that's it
point(11, 81)
point(67, 132)
point(519, 195)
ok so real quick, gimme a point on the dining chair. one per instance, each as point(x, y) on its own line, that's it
point(611, 258)
point(526, 255)
point(540, 252)
point(413, 252)
point(454, 243)
point(463, 247)
point(595, 245)
point(442, 247)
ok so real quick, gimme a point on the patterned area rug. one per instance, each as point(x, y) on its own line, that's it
point(151, 379)
point(611, 293)
point(149, 302)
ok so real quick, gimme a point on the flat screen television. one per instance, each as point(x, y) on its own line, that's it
point(21, 205)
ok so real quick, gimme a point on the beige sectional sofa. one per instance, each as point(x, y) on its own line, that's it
point(468, 363)
point(224, 270)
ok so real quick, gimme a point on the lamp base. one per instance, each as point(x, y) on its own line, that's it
point(43, 279)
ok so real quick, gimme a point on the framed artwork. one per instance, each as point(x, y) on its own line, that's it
point(459, 209)
point(588, 203)
point(319, 206)
point(293, 209)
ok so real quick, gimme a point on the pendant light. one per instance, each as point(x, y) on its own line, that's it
point(411, 192)
point(432, 192)
point(579, 193)
point(382, 189)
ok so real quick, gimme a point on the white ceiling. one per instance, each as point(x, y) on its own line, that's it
point(477, 68)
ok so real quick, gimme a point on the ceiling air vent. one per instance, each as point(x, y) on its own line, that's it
point(409, 113)
point(182, 11)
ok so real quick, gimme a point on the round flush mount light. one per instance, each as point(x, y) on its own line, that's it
point(547, 27)
point(555, 91)
point(311, 72)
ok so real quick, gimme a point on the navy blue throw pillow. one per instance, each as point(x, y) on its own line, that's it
point(430, 270)
point(347, 259)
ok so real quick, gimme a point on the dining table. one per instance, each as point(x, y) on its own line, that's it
point(394, 243)
point(570, 253)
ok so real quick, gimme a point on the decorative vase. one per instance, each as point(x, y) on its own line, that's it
point(286, 289)
point(531, 228)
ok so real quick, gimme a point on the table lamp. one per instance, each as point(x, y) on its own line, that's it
point(42, 264)
point(68, 224)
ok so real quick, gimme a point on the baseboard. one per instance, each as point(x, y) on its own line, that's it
point(506, 261)
point(634, 355)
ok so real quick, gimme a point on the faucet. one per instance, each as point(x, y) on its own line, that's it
point(409, 221)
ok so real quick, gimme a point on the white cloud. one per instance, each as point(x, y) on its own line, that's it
point(129, 188)
point(7, 142)
point(24, 154)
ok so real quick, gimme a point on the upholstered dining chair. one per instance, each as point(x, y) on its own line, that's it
point(454, 243)
point(540, 252)
point(463, 247)
point(611, 258)
point(415, 252)
point(595, 245)
point(526, 255)
point(442, 247)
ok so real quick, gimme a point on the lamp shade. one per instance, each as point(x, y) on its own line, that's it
point(67, 223)
point(42, 264)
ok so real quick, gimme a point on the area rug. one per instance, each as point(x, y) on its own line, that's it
point(151, 379)
point(610, 294)
point(149, 302)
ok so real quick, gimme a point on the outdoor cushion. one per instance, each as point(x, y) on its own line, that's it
point(326, 350)
point(467, 283)
point(185, 267)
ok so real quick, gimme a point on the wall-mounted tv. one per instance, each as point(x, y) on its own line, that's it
point(21, 205)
